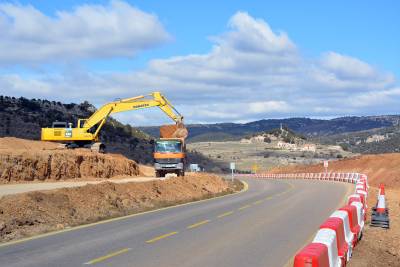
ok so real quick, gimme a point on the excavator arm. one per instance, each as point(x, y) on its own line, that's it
point(155, 99)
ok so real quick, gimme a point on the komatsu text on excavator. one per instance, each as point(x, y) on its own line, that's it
point(169, 150)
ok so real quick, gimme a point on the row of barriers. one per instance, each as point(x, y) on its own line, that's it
point(336, 238)
point(349, 177)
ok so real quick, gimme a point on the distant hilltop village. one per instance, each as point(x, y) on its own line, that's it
point(285, 139)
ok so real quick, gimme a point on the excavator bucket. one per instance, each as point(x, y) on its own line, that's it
point(173, 131)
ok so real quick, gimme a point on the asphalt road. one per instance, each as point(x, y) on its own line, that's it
point(263, 226)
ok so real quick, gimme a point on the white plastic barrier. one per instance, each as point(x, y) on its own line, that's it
point(360, 214)
point(361, 185)
point(348, 235)
point(328, 238)
point(361, 192)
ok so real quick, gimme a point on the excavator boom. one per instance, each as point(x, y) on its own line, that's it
point(155, 99)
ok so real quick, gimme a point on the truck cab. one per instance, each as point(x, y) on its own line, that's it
point(169, 156)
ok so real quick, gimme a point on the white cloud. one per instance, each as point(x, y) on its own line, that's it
point(15, 83)
point(251, 72)
point(254, 36)
point(346, 66)
point(89, 31)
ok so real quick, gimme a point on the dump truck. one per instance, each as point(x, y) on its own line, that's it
point(170, 150)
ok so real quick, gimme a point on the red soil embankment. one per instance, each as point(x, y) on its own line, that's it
point(25, 160)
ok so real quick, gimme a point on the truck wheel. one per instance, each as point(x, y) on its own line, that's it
point(182, 173)
point(160, 174)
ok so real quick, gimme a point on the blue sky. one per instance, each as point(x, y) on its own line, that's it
point(364, 29)
point(324, 38)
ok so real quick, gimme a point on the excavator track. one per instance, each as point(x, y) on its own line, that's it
point(98, 147)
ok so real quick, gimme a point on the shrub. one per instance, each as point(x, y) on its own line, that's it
point(344, 146)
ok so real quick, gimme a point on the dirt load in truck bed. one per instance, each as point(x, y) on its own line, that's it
point(26, 160)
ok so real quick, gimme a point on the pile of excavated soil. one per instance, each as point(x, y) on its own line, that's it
point(25, 160)
point(37, 212)
point(381, 168)
point(379, 247)
point(146, 170)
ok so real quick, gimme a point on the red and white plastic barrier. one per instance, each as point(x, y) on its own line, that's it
point(343, 250)
point(314, 254)
point(353, 223)
point(326, 237)
point(353, 178)
point(348, 235)
point(339, 234)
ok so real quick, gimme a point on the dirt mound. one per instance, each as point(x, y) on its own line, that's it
point(25, 160)
point(36, 212)
point(381, 168)
point(146, 170)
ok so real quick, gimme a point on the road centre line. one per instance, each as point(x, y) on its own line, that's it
point(258, 202)
point(105, 257)
point(244, 207)
point(161, 237)
point(225, 214)
point(198, 224)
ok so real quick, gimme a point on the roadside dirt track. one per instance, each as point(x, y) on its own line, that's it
point(16, 188)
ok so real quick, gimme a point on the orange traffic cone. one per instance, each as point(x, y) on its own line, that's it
point(381, 204)
point(380, 214)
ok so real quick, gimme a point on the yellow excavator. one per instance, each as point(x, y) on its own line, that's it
point(169, 149)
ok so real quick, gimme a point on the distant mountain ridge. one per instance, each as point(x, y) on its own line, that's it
point(306, 126)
